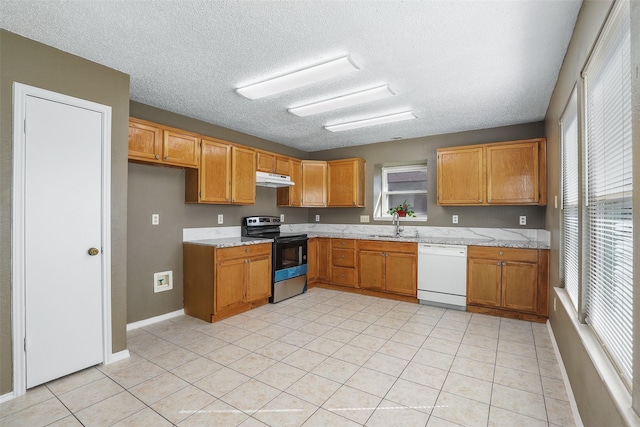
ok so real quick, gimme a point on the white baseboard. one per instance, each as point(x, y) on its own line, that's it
point(116, 357)
point(7, 397)
point(152, 320)
point(565, 379)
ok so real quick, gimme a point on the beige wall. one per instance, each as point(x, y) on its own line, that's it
point(594, 399)
point(26, 61)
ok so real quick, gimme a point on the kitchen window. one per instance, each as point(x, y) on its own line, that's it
point(606, 224)
point(400, 184)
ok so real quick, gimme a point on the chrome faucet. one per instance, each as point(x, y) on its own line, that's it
point(395, 220)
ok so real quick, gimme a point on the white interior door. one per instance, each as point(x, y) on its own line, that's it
point(63, 220)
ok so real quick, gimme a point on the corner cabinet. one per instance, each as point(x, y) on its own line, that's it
point(346, 183)
point(508, 282)
point(505, 173)
point(156, 144)
point(222, 282)
point(388, 267)
point(226, 175)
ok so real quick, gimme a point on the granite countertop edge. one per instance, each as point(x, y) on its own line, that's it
point(522, 244)
point(229, 242)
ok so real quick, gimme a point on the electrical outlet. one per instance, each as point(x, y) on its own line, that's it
point(454, 219)
point(317, 218)
point(554, 303)
point(155, 219)
point(364, 218)
point(281, 217)
point(523, 220)
point(555, 202)
point(220, 219)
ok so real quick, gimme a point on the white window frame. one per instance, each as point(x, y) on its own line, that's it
point(383, 202)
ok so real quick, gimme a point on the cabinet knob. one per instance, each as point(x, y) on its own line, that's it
point(498, 263)
point(342, 256)
point(166, 157)
point(157, 156)
point(246, 250)
point(343, 275)
point(504, 263)
point(501, 252)
point(480, 200)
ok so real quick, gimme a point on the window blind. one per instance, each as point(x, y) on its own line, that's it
point(608, 273)
point(570, 193)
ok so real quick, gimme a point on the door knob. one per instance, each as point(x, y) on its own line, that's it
point(93, 251)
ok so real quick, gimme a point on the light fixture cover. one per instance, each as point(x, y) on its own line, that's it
point(299, 78)
point(391, 118)
point(361, 97)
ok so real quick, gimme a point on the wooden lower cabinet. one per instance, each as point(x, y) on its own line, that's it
point(221, 282)
point(319, 260)
point(343, 262)
point(508, 282)
point(388, 267)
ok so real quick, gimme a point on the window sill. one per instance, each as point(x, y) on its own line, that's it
point(402, 219)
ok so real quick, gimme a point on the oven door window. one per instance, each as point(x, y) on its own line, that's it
point(291, 254)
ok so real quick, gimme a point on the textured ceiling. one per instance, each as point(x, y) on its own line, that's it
point(458, 64)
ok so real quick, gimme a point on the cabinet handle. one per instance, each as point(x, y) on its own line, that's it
point(157, 156)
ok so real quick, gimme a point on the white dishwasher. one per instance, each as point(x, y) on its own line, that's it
point(442, 275)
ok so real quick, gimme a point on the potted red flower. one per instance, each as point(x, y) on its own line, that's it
point(403, 210)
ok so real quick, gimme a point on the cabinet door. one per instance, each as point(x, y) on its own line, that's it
point(400, 277)
point(266, 162)
point(181, 149)
point(231, 284)
point(513, 174)
point(283, 165)
point(461, 176)
point(371, 269)
point(324, 260)
point(483, 282)
point(243, 176)
point(520, 286)
point(259, 278)
point(145, 142)
point(314, 183)
point(345, 183)
point(215, 172)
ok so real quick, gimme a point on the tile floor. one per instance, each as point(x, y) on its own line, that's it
point(325, 358)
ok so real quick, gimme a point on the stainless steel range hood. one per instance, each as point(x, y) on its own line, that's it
point(274, 180)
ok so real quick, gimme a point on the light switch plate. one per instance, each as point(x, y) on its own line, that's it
point(155, 219)
point(364, 218)
point(220, 219)
point(281, 217)
point(523, 220)
point(454, 219)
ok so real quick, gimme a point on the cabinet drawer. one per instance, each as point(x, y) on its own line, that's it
point(245, 251)
point(386, 246)
point(343, 257)
point(343, 276)
point(508, 254)
point(343, 243)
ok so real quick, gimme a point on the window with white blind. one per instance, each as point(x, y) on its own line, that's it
point(570, 193)
point(608, 231)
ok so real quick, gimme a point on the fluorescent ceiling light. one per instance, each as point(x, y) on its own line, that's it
point(398, 117)
point(300, 78)
point(361, 97)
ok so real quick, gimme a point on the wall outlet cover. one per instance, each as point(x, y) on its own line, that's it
point(523, 220)
point(220, 219)
point(317, 218)
point(155, 219)
point(454, 219)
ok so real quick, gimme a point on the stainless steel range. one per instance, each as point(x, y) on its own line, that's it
point(289, 256)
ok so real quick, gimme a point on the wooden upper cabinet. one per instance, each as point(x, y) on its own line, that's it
point(243, 176)
point(153, 143)
point(215, 172)
point(270, 162)
point(145, 141)
point(346, 183)
point(506, 173)
point(460, 176)
point(227, 175)
point(314, 183)
point(513, 173)
point(292, 195)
